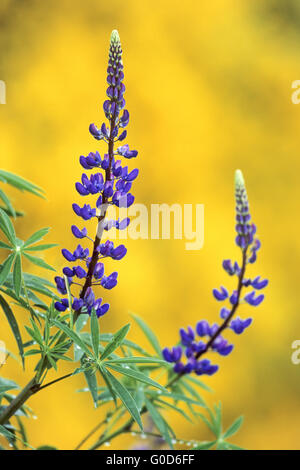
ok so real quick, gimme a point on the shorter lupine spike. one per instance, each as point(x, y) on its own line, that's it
point(192, 349)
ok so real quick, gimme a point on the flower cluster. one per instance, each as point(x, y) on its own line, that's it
point(110, 186)
point(194, 343)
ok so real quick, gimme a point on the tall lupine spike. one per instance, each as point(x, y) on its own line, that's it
point(190, 344)
point(112, 188)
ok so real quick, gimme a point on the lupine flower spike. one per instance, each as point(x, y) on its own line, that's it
point(110, 185)
point(198, 341)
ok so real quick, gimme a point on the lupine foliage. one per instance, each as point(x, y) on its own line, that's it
point(123, 378)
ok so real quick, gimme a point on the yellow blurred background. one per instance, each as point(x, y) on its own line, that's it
point(208, 88)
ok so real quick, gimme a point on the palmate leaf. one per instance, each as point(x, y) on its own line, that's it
point(32, 278)
point(177, 397)
point(217, 419)
point(38, 261)
point(13, 325)
point(7, 228)
point(134, 374)
point(5, 245)
point(198, 382)
point(6, 267)
point(9, 435)
point(95, 333)
point(159, 421)
point(126, 398)
point(22, 430)
point(6, 385)
point(150, 335)
point(136, 360)
point(190, 390)
point(73, 336)
point(115, 341)
point(234, 427)
point(8, 204)
point(206, 445)
point(91, 380)
point(20, 183)
point(10, 214)
point(36, 237)
point(110, 389)
point(107, 337)
point(174, 407)
point(17, 275)
point(41, 247)
point(35, 283)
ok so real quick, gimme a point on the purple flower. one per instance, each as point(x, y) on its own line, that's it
point(62, 305)
point(68, 255)
point(224, 313)
point(61, 285)
point(99, 271)
point(79, 233)
point(123, 224)
point(79, 272)
point(252, 300)
point(238, 325)
point(68, 272)
point(205, 367)
point(259, 284)
point(229, 268)
point(119, 252)
point(187, 336)
point(172, 355)
point(77, 304)
point(110, 281)
point(124, 120)
point(234, 297)
point(95, 132)
point(126, 152)
point(202, 328)
point(221, 294)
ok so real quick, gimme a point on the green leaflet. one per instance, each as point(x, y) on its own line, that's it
point(36, 237)
point(150, 335)
point(6, 201)
point(134, 374)
point(234, 427)
point(20, 183)
point(17, 275)
point(137, 360)
point(91, 380)
point(95, 333)
point(38, 261)
point(6, 267)
point(7, 228)
point(13, 325)
point(159, 421)
point(126, 398)
point(115, 341)
point(73, 335)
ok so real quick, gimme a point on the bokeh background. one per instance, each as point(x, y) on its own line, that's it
point(208, 90)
